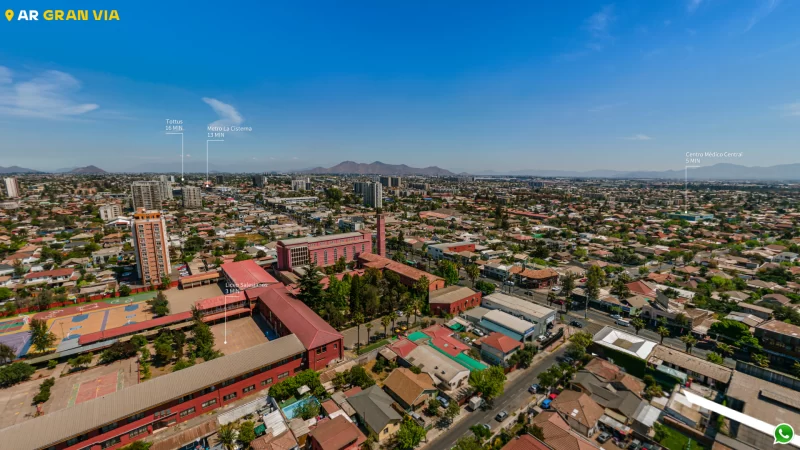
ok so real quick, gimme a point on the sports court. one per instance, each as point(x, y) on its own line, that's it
point(97, 387)
point(93, 318)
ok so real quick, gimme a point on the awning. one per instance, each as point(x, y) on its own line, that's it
point(615, 425)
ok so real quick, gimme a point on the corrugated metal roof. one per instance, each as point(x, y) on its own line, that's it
point(61, 425)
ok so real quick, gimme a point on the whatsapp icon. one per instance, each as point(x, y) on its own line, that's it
point(783, 434)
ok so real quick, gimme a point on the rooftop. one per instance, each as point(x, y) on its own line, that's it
point(58, 426)
point(518, 304)
point(247, 274)
point(624, 342)
point(310, 328)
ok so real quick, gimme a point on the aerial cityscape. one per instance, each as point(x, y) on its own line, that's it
point(401, 227)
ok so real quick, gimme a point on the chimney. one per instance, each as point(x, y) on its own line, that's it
point(381, 244)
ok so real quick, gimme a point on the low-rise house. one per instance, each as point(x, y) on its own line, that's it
point(337, 433)
point(453, 300)
point(579, 411)
point(498, 348)
point(409, 389)
point(699, 369)
point(374, 409)
point(446, 373)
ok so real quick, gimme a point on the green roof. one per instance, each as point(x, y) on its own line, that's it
point(417, 336)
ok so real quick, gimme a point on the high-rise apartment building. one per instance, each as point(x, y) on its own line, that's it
point(110, 211)
point(373, 195)
point(301, 184)
point(12, 187)
point(220, 179)
point(390, 182)
point(258, 180)
point(146, 194)
point(192, 198)
point(166, 189)
point(151, 246)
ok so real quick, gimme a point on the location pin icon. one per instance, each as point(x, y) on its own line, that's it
point(9, 15)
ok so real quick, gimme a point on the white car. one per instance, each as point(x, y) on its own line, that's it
point(616, 316)
point(555, 289)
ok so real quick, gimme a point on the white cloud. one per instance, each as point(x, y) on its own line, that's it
point(49, 95)
point(228, 115)
point(766, 8)
point(638, 137)
point(598, 25)
point(693, 5)
point(790, 109)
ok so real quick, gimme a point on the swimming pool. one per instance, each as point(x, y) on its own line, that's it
point(291, 411)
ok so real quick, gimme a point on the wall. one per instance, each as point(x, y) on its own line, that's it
point(459, 306)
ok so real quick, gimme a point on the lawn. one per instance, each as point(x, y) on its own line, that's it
point(372, 346)
point(674, 440)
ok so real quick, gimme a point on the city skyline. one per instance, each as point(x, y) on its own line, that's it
point(615, 86)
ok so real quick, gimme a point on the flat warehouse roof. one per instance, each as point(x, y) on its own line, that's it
point(61, 425)
point(518, 304)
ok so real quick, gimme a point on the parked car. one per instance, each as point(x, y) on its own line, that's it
point(533, 389)
point(509, 283)
point(583, 280)
point(623, 323)
point(445, 403)
point(486, 426)
point(616, 316)
point(576, 324)
point(501, 416)
point(529, 293)
point(555, 288)
point(603, 437)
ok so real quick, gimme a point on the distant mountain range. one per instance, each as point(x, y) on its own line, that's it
point(88, 170)
point(721, 171)
point(16, 169)
point(378, 168)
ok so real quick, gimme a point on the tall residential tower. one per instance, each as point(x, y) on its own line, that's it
point(151, 246)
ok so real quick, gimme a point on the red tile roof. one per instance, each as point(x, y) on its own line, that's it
point(298, 318)
point(525, 442)
point(247, 274)
point(501, 342)
point(220, 300)
point(50, 273)
point(337, 433)
point(403, 347)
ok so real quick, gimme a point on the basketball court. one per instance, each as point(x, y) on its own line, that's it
point(97, 387)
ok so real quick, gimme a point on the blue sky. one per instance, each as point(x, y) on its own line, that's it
point(463, 85)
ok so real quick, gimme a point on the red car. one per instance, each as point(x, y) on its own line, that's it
point(583, 280)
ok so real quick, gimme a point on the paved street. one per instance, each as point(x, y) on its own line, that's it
point(515, 396)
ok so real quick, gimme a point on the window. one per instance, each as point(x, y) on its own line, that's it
point(135, 417)
point(228, 382)
point(160, 414)
point(283, 375)
point(267, 381)
point(206, 404)
point(230, 396)
point(186, 412)
point(138, 431)
point(248, 388)
point(108, 428)
point(110, 443)
point(185, 398)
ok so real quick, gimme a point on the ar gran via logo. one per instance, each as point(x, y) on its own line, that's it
point(60, 14)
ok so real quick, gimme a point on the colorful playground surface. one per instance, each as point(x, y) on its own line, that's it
point(74, 321)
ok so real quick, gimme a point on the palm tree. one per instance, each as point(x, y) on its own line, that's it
point(409, 310)
point(637, 323)
point(690, 341)
point(359, 319)
point(393, 317)
point(368, 326)
point(664, 332)
point(551, 297)
point(385, 321)
point(227, 436)
point(760, 360)
point(725, 349)
point(417, 303)
point(473, 271)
